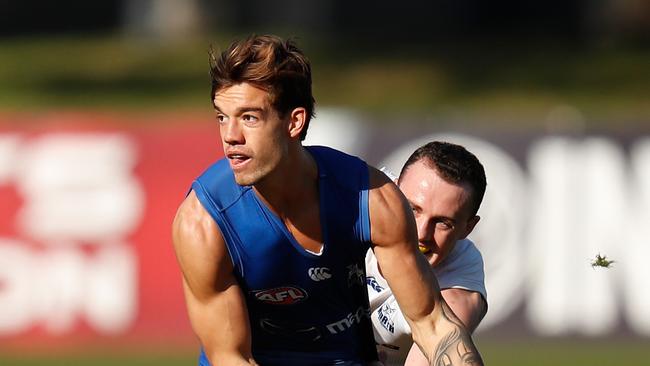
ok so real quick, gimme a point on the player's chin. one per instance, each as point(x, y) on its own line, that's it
point(247, 177)
point(243, 180)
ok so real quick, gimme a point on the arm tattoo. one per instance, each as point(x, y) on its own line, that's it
point(456, 347)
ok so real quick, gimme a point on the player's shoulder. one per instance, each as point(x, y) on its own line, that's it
point(195, 235)
point(464, 259)
point(200, 249)
point(329, 153)
point(384, 186)
point(346, 170)
point(390, 213)
point(191, 221)
point(465, 248)
point(463, 268)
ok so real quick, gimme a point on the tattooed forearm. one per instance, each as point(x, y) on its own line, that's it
point(456, 347)
point(446, 342)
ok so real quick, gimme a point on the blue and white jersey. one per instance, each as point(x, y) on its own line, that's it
point(305, 308)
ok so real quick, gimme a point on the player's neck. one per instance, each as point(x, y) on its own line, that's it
point(293, 183)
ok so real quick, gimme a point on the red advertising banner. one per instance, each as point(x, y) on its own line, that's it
point(86, 205)
point(87, 202)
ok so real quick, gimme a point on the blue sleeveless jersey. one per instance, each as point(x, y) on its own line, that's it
point(304, 308)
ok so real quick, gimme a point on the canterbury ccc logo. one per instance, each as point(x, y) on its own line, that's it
point(319, 273)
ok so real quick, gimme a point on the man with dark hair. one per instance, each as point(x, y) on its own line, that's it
point(444, 184)
point(271, 240)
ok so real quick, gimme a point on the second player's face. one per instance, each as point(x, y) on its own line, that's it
point(442, 210)
point(252, 134)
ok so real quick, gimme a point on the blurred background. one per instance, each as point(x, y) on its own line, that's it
point(105, 119)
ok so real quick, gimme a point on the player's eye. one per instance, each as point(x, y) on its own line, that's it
point(249, 118)
point(444, 225)
point(221, 118)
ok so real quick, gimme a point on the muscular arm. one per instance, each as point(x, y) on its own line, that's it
point(436, 330)
point(215, 304)
point(469, 307)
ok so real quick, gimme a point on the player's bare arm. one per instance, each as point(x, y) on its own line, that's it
point(470, 308)
point(437, 331)
point(215, 304)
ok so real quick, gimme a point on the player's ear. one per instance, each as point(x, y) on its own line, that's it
point(297, 121)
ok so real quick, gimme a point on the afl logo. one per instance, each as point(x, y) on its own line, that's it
point(288, 295)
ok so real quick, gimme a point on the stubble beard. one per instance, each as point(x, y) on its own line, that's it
point(255, 176)
point(264, 166)
point(248, 179)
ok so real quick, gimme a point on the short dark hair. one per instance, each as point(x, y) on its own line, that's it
point(454, 164)
point(270, 63)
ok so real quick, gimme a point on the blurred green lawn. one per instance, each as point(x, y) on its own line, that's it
point(543, 353)
point(566, 353)
point(515, 81)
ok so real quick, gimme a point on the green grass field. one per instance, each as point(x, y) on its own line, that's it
point(546, 353)
point(542, 353)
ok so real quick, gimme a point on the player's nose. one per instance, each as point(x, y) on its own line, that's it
point(231, 133)
point(425, 231)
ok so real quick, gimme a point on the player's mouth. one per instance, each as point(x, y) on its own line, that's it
point(238, 161)
point(424, 249)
